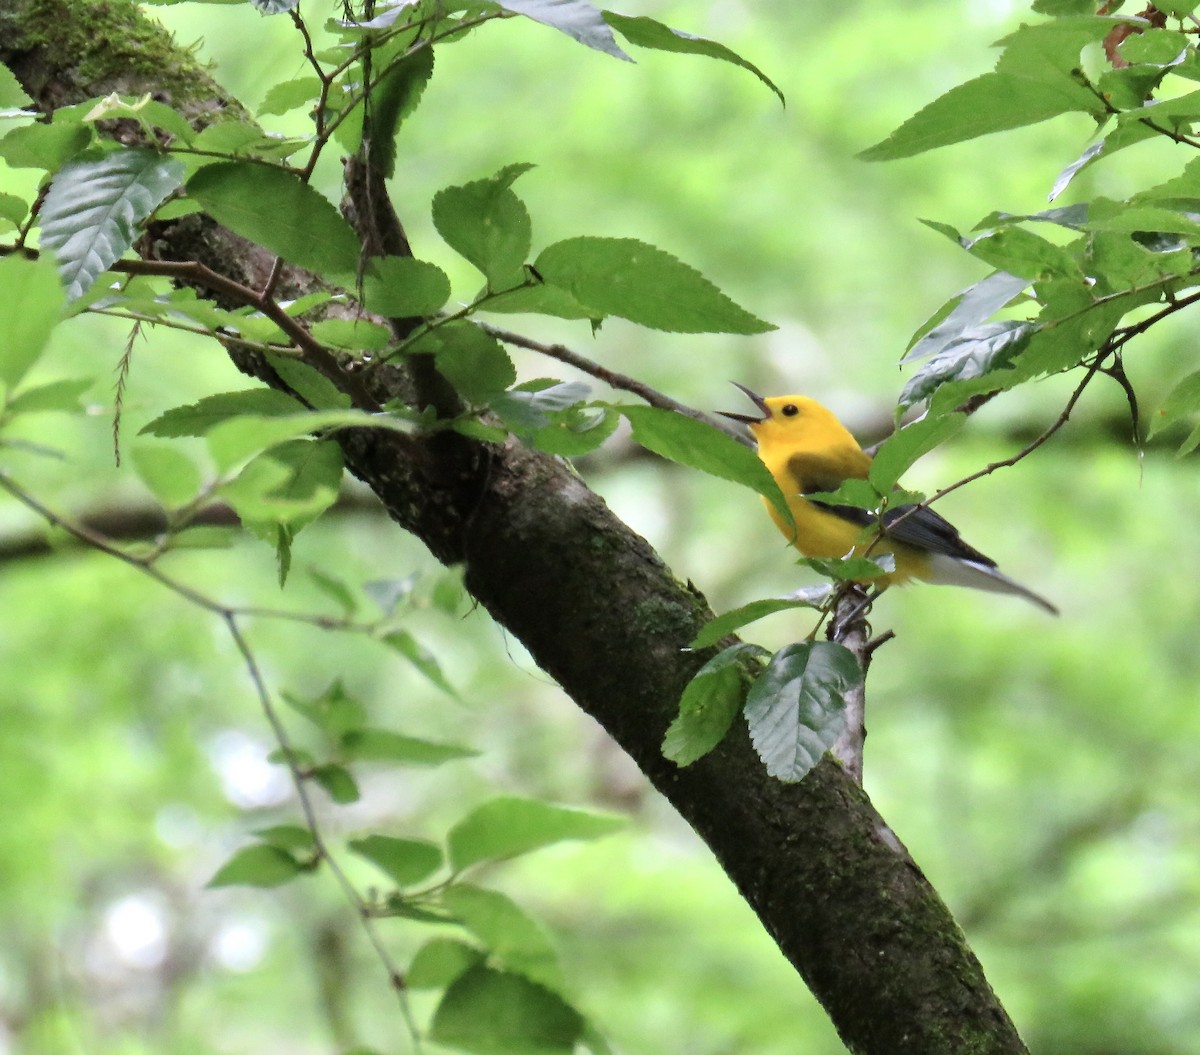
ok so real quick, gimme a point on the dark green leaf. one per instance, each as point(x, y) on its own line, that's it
point(728, 622)
point(702, 446)
point(473, 361)
point(406, 861)
point(488, 224)
point(573, 433)
point(196, 419)
point(636, 281)
point(308, 383)
point(439, 962)
point(577, 18)
point(33, 304)
point(394, 98)
point(91, 214)
point(400, 287)
point(506, 827)
point(795, 709)
point(490, 1012)
point(261, 865)
point(906, 445)
point(509, 933)
point(280, 212)
point(647, 33)
point(383, 745)
point(420, 657)
point(851, 569)
point(708, 706)
point(536, 298)
point(1024, 254)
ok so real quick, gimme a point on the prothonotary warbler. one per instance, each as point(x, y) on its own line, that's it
point(808, 450)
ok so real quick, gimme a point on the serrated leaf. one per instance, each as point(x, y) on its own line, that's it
point(639, 282)
point(972, 355)
point(261, 865)
point(279, 211)
point(46, 147)
point(647, 33)
point(92, 211)
point(486, 1011)
point(736, 618)
point(12, 95)
point(234, 439)
point(851, 569)
point(290, 484)
point(352, 334)
point(708, 706)
point(317, 390)
point(384, 745)
point(577, 18)
point(796, 707)
point(147, 111)
point(171, 475)
point(439, 961)
point(906, 445)
point(196, 419)
point(406, 861)
point(54, 395)
point(702, 446)
point(290, 95)
point(1024, 254)
point(473, 361)
point(485, 222)
point(394, 99)
point(509, 933)
point(419, 656)
point(400, 287)
point(33, 304)
point(971, 306)
point(506, 827)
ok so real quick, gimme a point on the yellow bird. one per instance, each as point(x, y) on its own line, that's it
point(808, 450)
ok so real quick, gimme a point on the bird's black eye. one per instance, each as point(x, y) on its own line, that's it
point(789, 410)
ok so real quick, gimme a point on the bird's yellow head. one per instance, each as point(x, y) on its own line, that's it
point(795, 422)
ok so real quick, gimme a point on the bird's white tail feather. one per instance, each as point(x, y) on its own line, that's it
point(953, 571)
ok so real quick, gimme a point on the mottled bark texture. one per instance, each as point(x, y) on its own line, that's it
point(600, 612)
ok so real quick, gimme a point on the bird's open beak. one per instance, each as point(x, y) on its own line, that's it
point(756, 399)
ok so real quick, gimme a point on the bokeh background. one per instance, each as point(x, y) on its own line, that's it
point(1044, 773)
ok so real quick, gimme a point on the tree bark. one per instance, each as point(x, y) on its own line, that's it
point(601, 613)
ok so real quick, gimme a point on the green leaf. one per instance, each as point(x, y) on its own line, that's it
point(196, 419)
point(352, 334)
point(39, 146)
point(486, 1011)
point(400, 287)
point(317, 390)
point(291, 484)
point(965, 311)
point(419, 656)
point(384, 745)
point(796, 707)
point(509, 933)
point(532, 405)
point(473, 361)
point(702, 446)
point(487, 223)
point(534, 297)
point(33, 305)
point(708, 706)
point(906, 445)
point(170, 474)
point(337, 781)
point(147, 111)
point(735, 619)
point(91, 214)
point(54, 395)
point(235, 439)
point(335, 712)
point(1181, 403)
point(851, 569)
point(394, 99)
point(439, 962)
point(574, 433)
point(280, 212)
point(13, 210)
point(290, 95)
point(294, 838)
point(1024, 254)
point(577, 18)
point(973, 355)
point(406, 861)
point(336, 590)
point(12, 95)
point(636, 281)
point(647, 33)
point(261, 865)
point(506, 827)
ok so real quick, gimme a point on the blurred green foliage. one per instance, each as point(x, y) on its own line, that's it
point(1042, 773)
